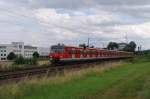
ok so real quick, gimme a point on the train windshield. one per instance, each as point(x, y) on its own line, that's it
point(57, 49)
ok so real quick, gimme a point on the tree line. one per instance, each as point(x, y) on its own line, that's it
point(12, 55)
point(130, 47)
point(19, 59)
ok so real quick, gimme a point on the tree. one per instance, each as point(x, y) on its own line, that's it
point(36, 55)
point(11, 56)
point(127, 48)
point(112, 46)
point(92, 46)
point(83, 45)
point(130, 47)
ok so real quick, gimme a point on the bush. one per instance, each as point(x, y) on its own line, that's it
point(11, 56)
point(131, 60)
point(31, 61)
point(147, 55)
point(20, 60)
point(36, 55)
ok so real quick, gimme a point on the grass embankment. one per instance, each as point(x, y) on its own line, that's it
point(117, 81)
point(9, 65)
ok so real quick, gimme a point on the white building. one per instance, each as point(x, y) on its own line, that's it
point(43, 52)
point(29, 50)
point(20, 49)
point(5, 49)
point(121, 46)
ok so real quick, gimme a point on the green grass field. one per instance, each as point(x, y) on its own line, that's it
point(127, 81)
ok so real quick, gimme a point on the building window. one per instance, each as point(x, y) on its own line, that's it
point(1, 54)
point(20, 46)
point(1, 50)
point(3, 58)
point(4, 50)
point(4, 54)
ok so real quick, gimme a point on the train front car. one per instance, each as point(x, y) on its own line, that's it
point(56, 53)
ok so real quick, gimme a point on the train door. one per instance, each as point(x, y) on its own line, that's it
point(84, 53)
point(81, 53)
point(65, 54)
point(77, 53)
point(73, 53)
point(100, 53)
point(88, 53)
point(69, 51)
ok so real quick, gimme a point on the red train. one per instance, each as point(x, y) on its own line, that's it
point(70, 53)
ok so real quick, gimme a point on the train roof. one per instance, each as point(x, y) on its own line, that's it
point(91, 48)
point(98, 49)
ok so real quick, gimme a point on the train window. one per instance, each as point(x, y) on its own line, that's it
point(57, 49)
point(87, 51)
point(74, 51)
point(84, 52)
point(69, 51)
point(91, 52)
point(95, 52)
point(77, 51)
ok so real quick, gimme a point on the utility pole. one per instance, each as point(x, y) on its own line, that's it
point(103, 45)
point(126, 38)
point(140, 47)
point(88, 42)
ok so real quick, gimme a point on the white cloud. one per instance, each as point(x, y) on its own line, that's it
point(49, 22)
point(141, 30)
point(72, 26)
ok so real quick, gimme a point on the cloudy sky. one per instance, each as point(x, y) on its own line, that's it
point(47, 22)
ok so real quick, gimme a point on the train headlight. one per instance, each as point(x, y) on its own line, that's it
point(50, 58)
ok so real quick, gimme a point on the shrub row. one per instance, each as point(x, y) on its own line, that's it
point(20, 60)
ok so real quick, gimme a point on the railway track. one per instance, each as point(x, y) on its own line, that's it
point(18, 75)
point(9, 76)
